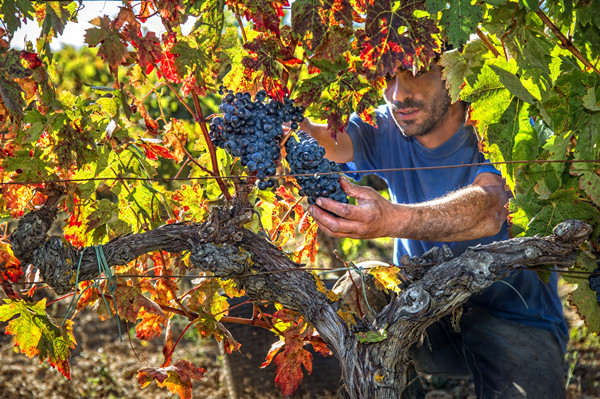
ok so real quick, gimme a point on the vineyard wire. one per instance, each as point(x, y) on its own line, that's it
point(364, 171)
point(570, 273)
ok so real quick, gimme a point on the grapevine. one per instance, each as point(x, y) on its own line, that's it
point(107, 124)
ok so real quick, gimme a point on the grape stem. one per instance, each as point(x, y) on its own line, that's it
point(285, 138)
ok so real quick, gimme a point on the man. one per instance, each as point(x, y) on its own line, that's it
point(512, 335)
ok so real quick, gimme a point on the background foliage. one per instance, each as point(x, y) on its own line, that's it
point(134, 105)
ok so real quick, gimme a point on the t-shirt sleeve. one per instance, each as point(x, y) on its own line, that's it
point(487, 167)
point(363, 142)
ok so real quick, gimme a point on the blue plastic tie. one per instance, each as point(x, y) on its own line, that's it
point(111, 284)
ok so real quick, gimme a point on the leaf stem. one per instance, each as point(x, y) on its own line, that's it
point(168, 356)
point(182, 166)
point(178, 95)
point(153, 90)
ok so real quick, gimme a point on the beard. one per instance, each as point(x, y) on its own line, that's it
point(430, 114)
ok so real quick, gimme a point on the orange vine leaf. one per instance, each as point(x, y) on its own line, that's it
point(177, 378)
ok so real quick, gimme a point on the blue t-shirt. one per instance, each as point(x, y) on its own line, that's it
point(522, 297)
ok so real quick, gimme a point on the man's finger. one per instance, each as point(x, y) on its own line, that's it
point(356, 191)
point(335, 225)
point(346, 211)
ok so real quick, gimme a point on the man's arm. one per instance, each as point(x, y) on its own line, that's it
point(341, 151)
point(476, 211)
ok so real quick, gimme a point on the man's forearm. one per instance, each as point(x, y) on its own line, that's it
point(470, 213)
point(340, 151)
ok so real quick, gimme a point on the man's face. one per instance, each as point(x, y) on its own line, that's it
point(418, 103)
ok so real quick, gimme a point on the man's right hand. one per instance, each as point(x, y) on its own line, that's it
point(372, 217)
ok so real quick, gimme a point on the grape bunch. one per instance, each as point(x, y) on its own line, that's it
point(251, 130)
point(307, 156)
point(594, 281)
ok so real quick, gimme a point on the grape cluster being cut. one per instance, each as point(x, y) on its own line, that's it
point(251, 130)
point(594, 281)
point(307, 156)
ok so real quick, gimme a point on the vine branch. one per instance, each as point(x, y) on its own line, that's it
point(222, 246)
point(566, 43)
point(486, 41)
point(199, 116)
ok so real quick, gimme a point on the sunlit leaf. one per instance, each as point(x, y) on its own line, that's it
point(177, 378)
point(36, 334)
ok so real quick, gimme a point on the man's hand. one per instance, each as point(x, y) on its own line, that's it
point(372, 217)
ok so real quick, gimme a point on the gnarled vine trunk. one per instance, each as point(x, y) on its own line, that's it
point(224, 247)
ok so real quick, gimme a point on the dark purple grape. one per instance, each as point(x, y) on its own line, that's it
point(306, 157)
point(251, 130)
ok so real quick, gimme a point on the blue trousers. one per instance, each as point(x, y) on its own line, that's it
point(505, 359)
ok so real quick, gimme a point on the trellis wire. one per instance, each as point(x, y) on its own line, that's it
point(364, 171)
point(570, 273)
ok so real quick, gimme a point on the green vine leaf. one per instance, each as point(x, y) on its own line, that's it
point(529, 4)
point(36, 334)
point(458, 65)
point(583, 298)
point(513, 84)
point(12, 12)
point(590, 99)
point(460, 20)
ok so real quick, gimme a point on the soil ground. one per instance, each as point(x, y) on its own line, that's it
point(104, 367)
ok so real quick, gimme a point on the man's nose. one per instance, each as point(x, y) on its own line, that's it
point(398, 89)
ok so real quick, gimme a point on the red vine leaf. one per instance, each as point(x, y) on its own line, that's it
point(309, 247)
point(167, 60)
point(149, 51)
point(10, 267)
point(177, 378)
point(266, 15)
point(396, 34)
point(289, 362)
point(129, 300)
point(146, 9)
point(150, 325)
point(153, 151)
